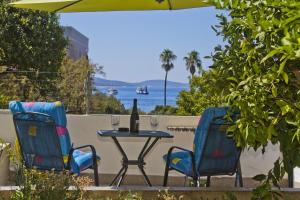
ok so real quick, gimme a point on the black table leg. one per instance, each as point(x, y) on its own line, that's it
point(125, 158)
point(139, 162)
point(149, 148)
point(117, 176)
point(144, 148)
point(122, 177)
point(145, 176)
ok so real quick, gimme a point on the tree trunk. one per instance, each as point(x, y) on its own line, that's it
point(165, 91)
point(88, 90)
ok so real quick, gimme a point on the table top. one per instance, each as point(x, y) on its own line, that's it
point(141, 133)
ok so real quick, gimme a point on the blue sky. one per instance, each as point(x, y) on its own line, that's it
point(128, 44)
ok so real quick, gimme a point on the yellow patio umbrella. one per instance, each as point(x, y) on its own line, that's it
point(108, 5)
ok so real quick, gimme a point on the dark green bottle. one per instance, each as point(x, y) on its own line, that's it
point(134, 118)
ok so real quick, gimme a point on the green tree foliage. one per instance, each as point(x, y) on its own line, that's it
point(30, 44)
point(75, 83)
point(101, 103)
point(3, 101)
point(77, 90)
point(205, 91)
point(164, 110)
point(71, 84)
point(193, 62)
point(261, 63)
point(258, 72)
point(36, 185)
point(167, 57)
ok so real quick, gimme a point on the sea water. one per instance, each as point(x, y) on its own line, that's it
point(146, 103)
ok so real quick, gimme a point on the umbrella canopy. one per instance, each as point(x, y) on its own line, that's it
point(108, 5)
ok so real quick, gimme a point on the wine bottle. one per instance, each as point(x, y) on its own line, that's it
point(134, 118)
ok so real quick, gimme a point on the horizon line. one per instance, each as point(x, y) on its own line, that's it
point(142, 80)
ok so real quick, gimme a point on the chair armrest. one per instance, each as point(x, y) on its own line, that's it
point(191, 153)
point(180, 148)
point(85, 146)
point(81, 147)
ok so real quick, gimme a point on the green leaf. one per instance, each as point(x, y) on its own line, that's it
point(259, 177)
point(284, 106)
point(245, 81)
point(285, 109)
point(285, 41)
point(274, 91)
point(277, 169)
point(274, 181)
point(271, 131)
point(269, 55)
point(231, 129)
point(282, 65)
point(291, 122)
point(232, 79)
point(214, 29)
point(296, 135)
point(281, 103)
point(297, 53)
point(285, 77)
point(246, 132)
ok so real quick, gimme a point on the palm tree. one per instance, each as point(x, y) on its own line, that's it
point(193, 62)
point(166, 57)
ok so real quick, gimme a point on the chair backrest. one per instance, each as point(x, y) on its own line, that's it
point(215, 152)
point(38, 140)
point(56, 111)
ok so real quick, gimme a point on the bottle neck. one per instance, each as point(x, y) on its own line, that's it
point(134, 104)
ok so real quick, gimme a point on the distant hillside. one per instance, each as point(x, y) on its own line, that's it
point(105, 82)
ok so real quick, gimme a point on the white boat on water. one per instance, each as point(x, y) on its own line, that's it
point(142, 90)
point(112, 91)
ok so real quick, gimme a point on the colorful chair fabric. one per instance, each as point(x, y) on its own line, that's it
point(213, 154)
point(44, 139)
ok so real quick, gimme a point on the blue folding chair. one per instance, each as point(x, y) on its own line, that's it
point(214, 153)
point(45, 141)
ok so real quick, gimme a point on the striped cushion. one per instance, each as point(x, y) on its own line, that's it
point(81, 161)
point(181, 161)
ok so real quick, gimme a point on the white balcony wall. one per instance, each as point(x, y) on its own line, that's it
point(83, 130)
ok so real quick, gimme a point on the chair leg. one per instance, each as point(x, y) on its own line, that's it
point(238, 176)
point(95, 167)
point(167, 168)
point(291, 178)
point(237, 180)
point(208, 181)
point(185, 178)
point(195, 181)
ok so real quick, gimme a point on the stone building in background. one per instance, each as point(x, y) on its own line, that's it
point(78, 43)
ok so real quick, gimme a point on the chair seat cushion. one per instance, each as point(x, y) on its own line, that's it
point(181, 161)
point(81, 161)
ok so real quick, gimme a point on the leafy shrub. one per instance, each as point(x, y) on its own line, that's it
point(3, 101)
point(43, 185)
point(258, 72)
point(35, 185)
point(41, 50)
point(165, 195)
point(101, 103)
point(130, 196)
point(164, 110)
point(205, 91)
point(260, 66)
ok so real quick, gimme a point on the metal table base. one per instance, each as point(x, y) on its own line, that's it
point(139, 162)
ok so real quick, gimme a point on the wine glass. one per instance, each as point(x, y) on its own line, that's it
point(115, 121)
point(153, 122)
